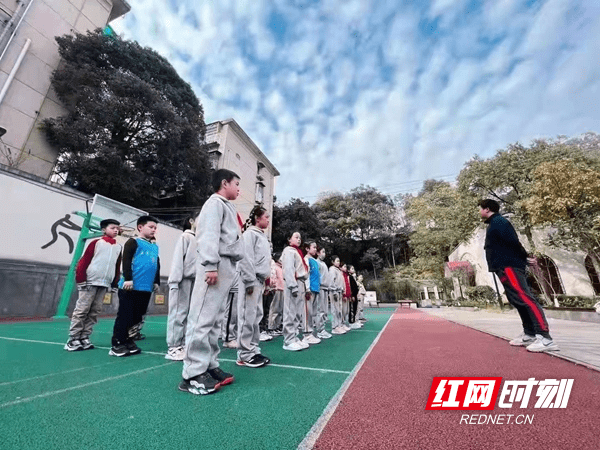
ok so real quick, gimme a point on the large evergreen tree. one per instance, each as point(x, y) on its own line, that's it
point(134, 128)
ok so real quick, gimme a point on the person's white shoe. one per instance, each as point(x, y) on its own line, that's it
point(230, 344)
point(523, 340)
point(324, 335)
point(542, 344)
point(310, 339)
point(264, 336)
point(175, 354)
point(293, 347)
point(355, 326)
point(338, 330)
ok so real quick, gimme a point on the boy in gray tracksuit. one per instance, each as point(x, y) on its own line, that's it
point(254, 269)
point(219, 249)
point(181, 283)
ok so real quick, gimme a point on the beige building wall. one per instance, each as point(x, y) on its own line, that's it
point(570, 265)
point(231, 148)
point(29, 99)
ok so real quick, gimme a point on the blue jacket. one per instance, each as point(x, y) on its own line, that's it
point(502, 246)
point(315, 275)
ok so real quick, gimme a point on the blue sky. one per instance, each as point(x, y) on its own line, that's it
point(386, 93)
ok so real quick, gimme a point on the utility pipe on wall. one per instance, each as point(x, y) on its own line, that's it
point(13, 72)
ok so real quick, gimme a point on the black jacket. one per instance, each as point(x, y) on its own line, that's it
point(502, 246)
point(353, 285)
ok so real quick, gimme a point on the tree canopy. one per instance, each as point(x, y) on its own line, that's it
point(134, 128)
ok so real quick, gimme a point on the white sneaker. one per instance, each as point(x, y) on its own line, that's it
point(175, 354)
point(310, 339)
point(302, 343)
point(355, 326)
point(337, 331)
point(264, 336)
point(542, 344)
point(523, 340)
point(230, 344)
point(324, 335)
point(293, 347)
point(346, 327)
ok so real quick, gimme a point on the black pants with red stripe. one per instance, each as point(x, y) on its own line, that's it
point(520, 296)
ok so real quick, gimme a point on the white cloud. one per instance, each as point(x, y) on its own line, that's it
point(342, 94)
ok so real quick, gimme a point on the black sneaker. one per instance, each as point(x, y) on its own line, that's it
point(74, 345)
point(255, 361)
point(266, 359)
point(202, 384)
point(119, 350)
point(87, 345)
point(223, 378)
point(132, 348)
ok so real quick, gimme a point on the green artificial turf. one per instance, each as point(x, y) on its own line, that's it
point(53, 399)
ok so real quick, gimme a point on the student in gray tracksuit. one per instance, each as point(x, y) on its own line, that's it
point(219, 249)
point(323, 297)
point(337, 287)
point(295, 272)
point(254, 269)
point(181, 283)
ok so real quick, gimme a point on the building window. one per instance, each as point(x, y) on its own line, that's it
point(593, 274)
point(260, 193)
point(544, 278)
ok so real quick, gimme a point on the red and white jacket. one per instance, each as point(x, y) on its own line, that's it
point(100, 263)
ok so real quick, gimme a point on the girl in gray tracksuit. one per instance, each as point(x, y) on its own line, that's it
point(323, 297)
point(181, 283)
point(337, 287)
point(295, 272)
point(254, 269)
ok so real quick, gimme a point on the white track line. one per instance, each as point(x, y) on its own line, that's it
point(287, 366)
point(146, 352)
point(313, 434)
point(39, 377)
point(81, 386)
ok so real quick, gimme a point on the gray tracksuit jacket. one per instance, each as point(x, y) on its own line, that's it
point(255, 268)
point(184, 258)
point(217, 232)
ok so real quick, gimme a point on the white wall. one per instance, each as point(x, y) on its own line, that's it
point(31, 208)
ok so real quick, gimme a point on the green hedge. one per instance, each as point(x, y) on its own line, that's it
point(576, 301)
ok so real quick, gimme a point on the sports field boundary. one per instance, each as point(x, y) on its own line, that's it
point(313, 434)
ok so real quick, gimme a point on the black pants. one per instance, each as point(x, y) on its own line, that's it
point(132, 307)
point(520, 296)
point(267, 298)
point(353, 308)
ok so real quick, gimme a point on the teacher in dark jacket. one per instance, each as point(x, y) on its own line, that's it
point(507, 258)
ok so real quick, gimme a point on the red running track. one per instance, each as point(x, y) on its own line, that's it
point(384, 407)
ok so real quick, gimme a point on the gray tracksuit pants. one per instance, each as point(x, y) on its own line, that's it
point(276, 311)
point(321, 314)
point(179, 307)
point(87, 309)
point(336, 309)
point(361, 306)
point(230, 318)
point(207, 307)
point(250, 312)
point(346, 311)
point(292, 313)
point(310, 311)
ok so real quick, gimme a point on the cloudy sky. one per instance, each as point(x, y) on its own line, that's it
point(386, 93)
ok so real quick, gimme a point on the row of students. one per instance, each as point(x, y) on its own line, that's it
point(208, 267)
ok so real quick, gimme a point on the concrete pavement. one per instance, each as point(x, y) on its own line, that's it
point(579, 342)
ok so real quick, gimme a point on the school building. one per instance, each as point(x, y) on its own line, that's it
point(28, 56)
point(559, 272)
point(231, 148)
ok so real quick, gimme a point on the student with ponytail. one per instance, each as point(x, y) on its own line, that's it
point(254, 269)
